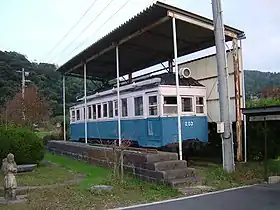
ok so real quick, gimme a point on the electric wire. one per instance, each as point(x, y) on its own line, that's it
point(69, 31)
point(102, 25)
point(111, 1)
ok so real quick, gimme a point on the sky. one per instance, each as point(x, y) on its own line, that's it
point(37, 29)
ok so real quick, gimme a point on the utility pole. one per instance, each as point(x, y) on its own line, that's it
point(23, 83)
point(236, 57)
point(227, 138)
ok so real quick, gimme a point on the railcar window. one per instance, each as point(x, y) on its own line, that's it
point(199, 105)
point(170, 105)
point(73, 116)
point(94, 111)
point(78, 114)
point(170, 100)
point(116, 108)
point(89, 112)
point(105, 110)
point(187, 105)
point(84, 115)
point(111, 109)
point(124, 107)
point(99, 111)
point(138, 106)
point(153, 105)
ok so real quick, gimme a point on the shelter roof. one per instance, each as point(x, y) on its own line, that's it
point(261, 111)
point(146, 40)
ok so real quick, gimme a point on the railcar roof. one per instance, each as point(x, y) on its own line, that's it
point(165, 79)
point(146, 40)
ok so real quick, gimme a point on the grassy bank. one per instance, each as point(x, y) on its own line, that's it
point(130, 191)
point(78, 196)
point(244, 174)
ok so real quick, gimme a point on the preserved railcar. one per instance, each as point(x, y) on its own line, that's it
point(148, 112)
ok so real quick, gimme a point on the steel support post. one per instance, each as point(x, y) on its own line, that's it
point(85, 102)
point(265, 151)
point(118, 93)
point(177, 88)
point(237, 88)
point(64, 108)
point(223, 86)
point(130, 78)
point(170, 66)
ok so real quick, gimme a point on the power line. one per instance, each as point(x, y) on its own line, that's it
point(101, 25)
point(87, 26)
point(151, 2)
point(60, 41)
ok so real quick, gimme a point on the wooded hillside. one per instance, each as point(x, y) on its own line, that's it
point(256, 81)
point(42, 75)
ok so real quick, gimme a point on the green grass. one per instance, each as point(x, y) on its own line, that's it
point(244, 174)
point(43, 175)
point(274, 166)
point(100, 175)
point(94, 174)
point(130, 191)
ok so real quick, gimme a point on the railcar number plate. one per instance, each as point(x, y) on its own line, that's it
point(189, 123)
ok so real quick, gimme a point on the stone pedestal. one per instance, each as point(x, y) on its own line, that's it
point(19, 199)
point(26, 168)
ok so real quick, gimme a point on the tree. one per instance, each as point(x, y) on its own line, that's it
point(30, 110)
point(271, 92)
point(44, 76)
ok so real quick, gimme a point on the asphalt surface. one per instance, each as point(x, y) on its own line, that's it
point(259, 197)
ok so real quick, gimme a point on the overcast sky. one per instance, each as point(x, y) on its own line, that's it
point(34, 28)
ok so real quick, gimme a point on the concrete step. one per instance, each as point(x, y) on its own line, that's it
point(192, 190)
point(161, 156)
point(167, 165)
point(179, 173)
point(185, 182)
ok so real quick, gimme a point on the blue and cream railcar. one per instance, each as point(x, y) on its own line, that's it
point(148, 112)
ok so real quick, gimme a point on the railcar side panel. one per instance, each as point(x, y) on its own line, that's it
point(193, 127)
point(147, 132)
point(150, 132)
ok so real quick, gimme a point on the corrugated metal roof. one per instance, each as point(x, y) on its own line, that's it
point(147, 49)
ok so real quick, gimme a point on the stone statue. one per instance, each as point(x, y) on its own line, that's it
point(9, 168)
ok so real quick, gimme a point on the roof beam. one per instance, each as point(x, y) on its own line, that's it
point(113, 45)
point(88, 77)
point(198, 23)
point(145, 49)
point(167, 37)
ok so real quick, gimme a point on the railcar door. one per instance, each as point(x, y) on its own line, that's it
point(153, 122)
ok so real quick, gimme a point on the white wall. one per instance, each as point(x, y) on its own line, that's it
point(205, 71)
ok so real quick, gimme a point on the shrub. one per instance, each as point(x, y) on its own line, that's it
point(50, 137)
point(24, 144)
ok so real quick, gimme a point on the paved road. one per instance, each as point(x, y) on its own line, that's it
point(259, 197)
